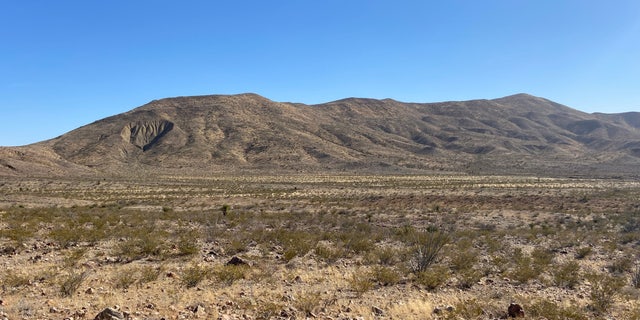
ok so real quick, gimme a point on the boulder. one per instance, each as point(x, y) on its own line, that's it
point(109, 314)
point(515, 311)
point(235, 261)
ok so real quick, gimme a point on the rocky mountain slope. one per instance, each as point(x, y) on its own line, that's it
point(208, 134)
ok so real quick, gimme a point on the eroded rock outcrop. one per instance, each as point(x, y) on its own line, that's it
point(144, 134)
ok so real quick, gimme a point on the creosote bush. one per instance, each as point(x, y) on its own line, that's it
point(567, 275)
point(433, 278)
point(385, 276)
point(525, 268)
point(620, 265)
point(604, 290)
point(188, 242)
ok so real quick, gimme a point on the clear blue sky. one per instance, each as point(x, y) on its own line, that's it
point(64, 63)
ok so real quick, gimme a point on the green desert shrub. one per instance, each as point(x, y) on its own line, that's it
point(140, 245)
point(385, 275)
point(123, 280)
point(386, 255)
point(468, 277)
point(545, 309)
point(464, 259)
point(66, 235)
point(188, 242)
point(542, 258)
point(525, 267)
point(73, 257)
point(433, 278)
point(604, 290)
point(194, 274)
point(567, 275)
point(620, 265)
point(467, 309)
point(583, 252)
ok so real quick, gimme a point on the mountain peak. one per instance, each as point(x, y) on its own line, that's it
point(521, 95)
point(527, 102)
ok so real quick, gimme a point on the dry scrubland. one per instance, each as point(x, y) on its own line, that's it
point(327, 247)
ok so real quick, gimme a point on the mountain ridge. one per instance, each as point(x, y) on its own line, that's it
point(519, 134)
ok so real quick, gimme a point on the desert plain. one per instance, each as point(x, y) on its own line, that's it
point(319, 246)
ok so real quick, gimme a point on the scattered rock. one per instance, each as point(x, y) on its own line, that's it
point(235, 261)
point(8, 251)
point(90, 291)
point(81, 313)
point(109, 314)
point(377, 311)
point(515, 311)
point(196, 308)
point(450, 308)
point(199, 310)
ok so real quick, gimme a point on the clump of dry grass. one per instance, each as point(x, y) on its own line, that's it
point(70, 283)
point(308, 302)
point(228, 274)
point(543, 308)
point(360, 282)
point(194, 274)
point(13, 279)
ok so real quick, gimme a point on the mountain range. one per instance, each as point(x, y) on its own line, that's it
point(200, 135)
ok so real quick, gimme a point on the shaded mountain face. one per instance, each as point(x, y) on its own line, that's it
point(196, 135)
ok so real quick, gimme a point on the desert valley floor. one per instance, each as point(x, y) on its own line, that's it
point(319, 246)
